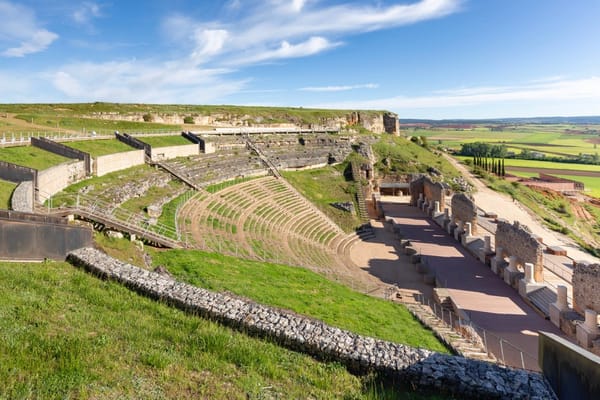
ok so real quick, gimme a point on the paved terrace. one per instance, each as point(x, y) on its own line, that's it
point(485, 298)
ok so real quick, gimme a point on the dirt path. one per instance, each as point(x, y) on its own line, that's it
point(506, 208)
point(13, 122)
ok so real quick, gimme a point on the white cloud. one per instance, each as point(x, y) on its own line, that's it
point(338, 88)
point(86, 12)
point(208, 43)
point(309, 47)
point(584, 93)
point(143, 81)
point(19, 27)
point(267, 30)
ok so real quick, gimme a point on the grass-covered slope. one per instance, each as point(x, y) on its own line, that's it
point(396, 155)
point(32, 157)
point(324, 186)
point(67, 334)
point(6, 189)
point(299, 290)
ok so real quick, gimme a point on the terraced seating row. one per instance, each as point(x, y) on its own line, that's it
point(265, 219)
point(207, 169)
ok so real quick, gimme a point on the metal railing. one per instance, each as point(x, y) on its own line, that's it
point(505, 352)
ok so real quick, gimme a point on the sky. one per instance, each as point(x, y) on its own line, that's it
point(419, 58)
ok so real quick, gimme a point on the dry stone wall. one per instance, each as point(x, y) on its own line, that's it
point(516, 240)
point(465, 210)
point(586, 287)
point(427, 370)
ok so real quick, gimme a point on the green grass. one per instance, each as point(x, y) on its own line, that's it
point(32, 157)
point(404, 156)
point(302, 291)
point(100, 147)
point(77, 123)
point(67, 334)
point(153, 195)
point(48, 113)
point(324, 186)
point(164, 141)
point(6, 189)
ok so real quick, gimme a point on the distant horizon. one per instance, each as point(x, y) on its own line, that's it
point(426, 59)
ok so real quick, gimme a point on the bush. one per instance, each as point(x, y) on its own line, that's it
point(147, 117)
point(188, 120)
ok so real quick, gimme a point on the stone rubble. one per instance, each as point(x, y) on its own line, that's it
point(421, 368)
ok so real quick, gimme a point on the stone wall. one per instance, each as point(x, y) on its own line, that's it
point(55, 179)
point(516, 240)
point(420, 368)
point(22, 198)
point(586, 287)
point(118, 161)
point(168, 152)
point(432, 191)
point(391, 124)
point(465, 210)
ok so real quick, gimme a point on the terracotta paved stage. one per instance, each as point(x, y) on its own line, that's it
point(489, 302)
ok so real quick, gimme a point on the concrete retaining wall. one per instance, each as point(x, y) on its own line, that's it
point(516, 240)
point(55, 179)
point(422, 368)
point(168, 152)
point(572, 372)
point(23, 238)
point(16, 173)
point(62, 150)
point(465, 210)
point(115, 162)
point(586, 287)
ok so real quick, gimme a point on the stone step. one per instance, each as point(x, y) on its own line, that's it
point(542, 298)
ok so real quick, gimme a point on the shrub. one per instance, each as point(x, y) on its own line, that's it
point(188, 120)
point(147, 117)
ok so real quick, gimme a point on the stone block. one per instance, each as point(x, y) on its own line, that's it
point(557, 250)
point(585, 335)
point(510, 277)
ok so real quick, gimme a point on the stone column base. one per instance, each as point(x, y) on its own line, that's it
point(555, 314)
point(509, 276)
point(585, 336)
point(526, 288)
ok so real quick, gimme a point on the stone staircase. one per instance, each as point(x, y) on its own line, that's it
point(453, 339)
point(360, 193)
point(542, 298)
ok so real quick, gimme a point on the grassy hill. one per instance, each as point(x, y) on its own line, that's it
point(67, 334)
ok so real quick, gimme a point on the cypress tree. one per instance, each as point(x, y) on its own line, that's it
point(503, 171)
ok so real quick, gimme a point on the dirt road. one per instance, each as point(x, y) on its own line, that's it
point(503, 205)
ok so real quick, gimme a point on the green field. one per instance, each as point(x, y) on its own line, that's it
point(164, 141)
point(32, 157)
point(552, 140)
point(299, 290)
point(6, 189)
point(101, 147)
point(67, 334)
point(513, 162)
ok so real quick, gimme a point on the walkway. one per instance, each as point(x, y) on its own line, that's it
point(485, 298)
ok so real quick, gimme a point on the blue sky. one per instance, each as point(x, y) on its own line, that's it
point(419, 58)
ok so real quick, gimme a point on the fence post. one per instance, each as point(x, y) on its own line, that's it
point(502, 352)
point(522, 360)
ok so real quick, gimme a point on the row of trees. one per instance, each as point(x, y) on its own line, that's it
point(482, 149)
point(493, 165)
